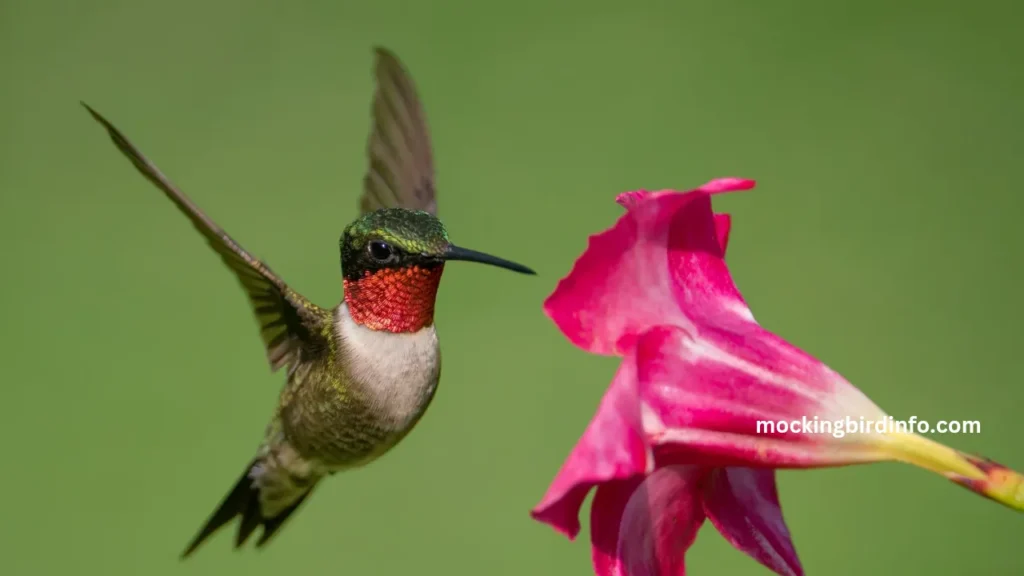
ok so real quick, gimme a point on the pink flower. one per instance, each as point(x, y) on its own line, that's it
point(676, 439)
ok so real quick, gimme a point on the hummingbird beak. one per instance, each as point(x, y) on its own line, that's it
point(456, 253)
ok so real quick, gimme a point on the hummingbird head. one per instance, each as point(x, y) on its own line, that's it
point(392, 260)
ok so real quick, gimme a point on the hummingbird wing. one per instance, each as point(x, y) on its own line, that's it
point(401, 171)
point(287, 320)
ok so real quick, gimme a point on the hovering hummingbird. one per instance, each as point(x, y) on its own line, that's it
point(359, 375)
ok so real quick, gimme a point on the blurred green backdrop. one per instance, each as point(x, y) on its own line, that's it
point(886, 138)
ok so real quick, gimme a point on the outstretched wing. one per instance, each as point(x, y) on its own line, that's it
point(287, 320)
point(401, 171)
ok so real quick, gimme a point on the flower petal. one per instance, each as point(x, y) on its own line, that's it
point(717, 186)
point(743, 504)
point(723, 222)
point(643, 528)
point(622, 284)
point(721, 185)
point(606, 510)
point(629, 199)
point(723, 225)
point(698, 278)
point(612, 448)
point(704, 393)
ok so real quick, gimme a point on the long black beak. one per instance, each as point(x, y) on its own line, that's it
point(456, 253)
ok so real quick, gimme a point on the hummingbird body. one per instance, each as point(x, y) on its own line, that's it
point(381, 380)
point(360, 375)
point(345, 407)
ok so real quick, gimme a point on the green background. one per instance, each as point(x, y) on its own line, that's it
point(886, 138)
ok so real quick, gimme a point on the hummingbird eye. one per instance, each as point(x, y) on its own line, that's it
point(381, 251)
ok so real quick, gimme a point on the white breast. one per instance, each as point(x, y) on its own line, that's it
point(398, 372)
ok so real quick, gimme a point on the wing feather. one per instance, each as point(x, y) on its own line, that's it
point(401, 164)
point(288, 322)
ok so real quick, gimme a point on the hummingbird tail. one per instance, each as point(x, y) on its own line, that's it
point(244, 500)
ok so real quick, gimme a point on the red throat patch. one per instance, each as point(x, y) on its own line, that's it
point(394, 300)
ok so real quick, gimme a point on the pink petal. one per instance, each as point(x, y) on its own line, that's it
point(723, 225)
point(612, 448)
point(624, 282)
point(721, 185)
point(645, 528)
point(723, 222)
point(698, 280)
point(605, 520)
point(743, 504)
point(703, 394)
point(629, 199)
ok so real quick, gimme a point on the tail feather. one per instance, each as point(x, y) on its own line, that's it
point(272, 525)
point(244, 501)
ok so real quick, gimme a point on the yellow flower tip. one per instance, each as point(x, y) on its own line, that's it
point(985, 477)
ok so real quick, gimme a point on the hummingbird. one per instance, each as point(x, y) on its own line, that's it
point(360, 375)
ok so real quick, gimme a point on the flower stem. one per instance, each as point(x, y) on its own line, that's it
point(985, 477)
